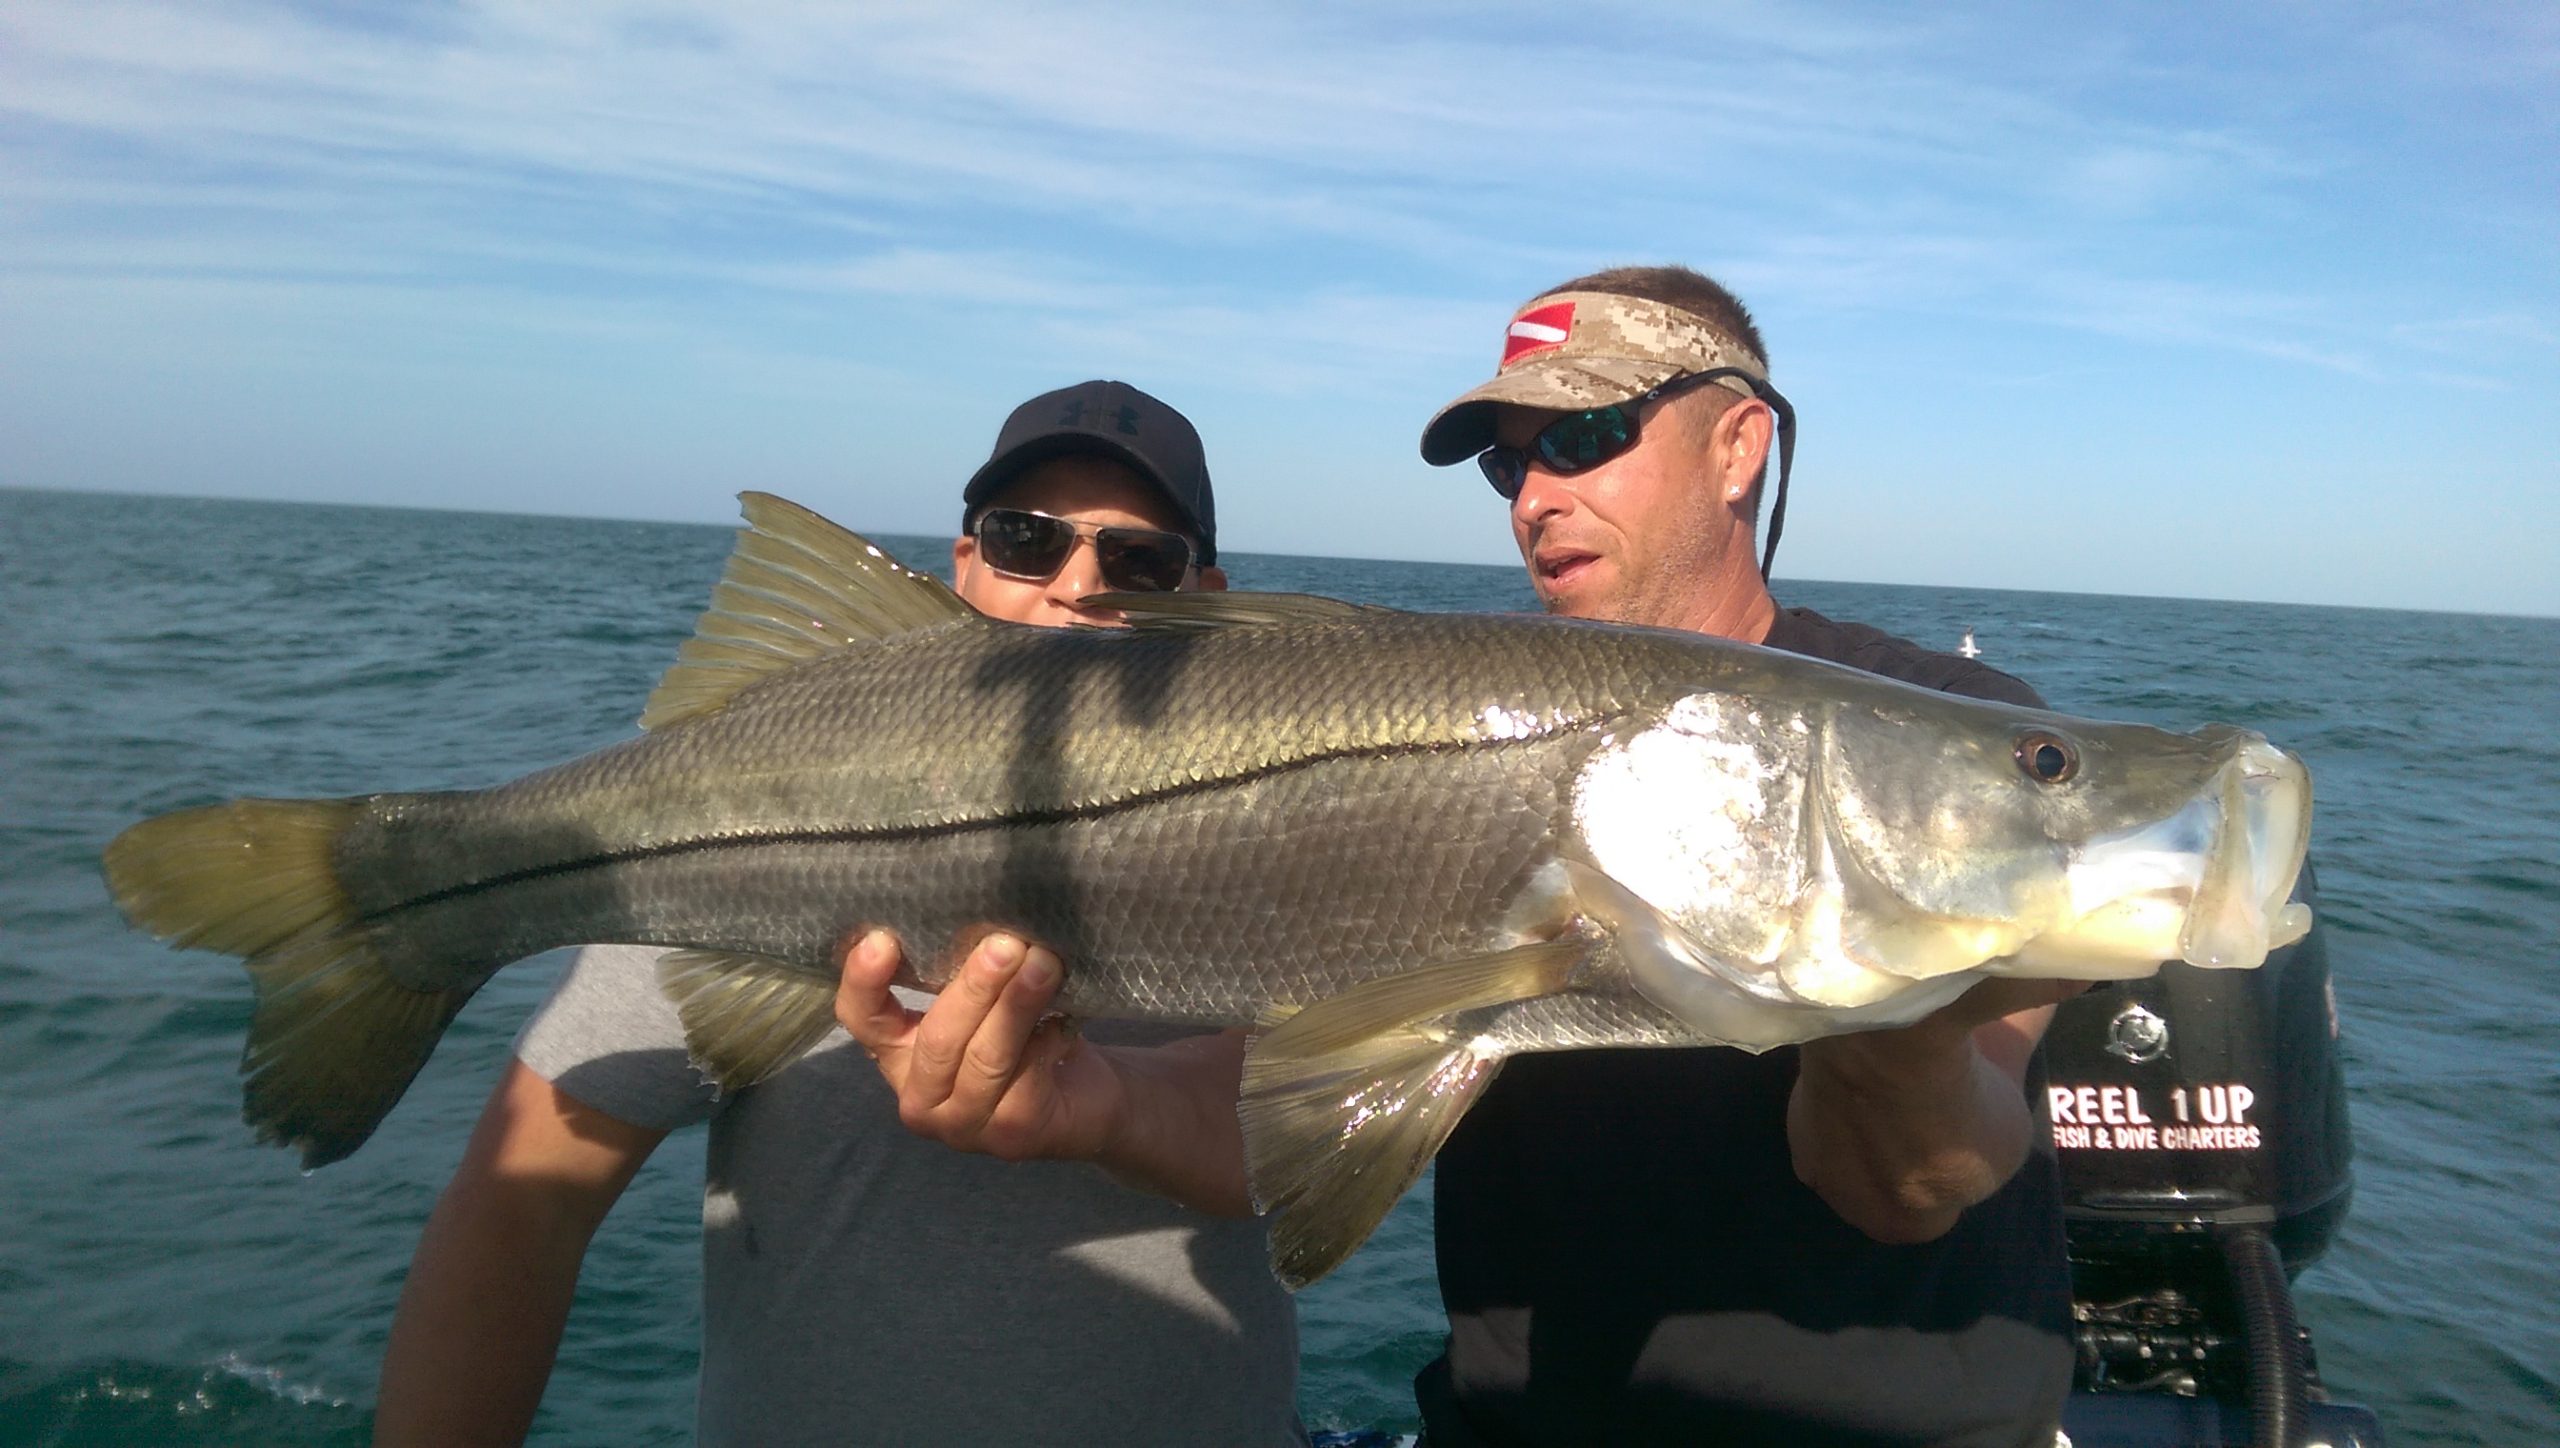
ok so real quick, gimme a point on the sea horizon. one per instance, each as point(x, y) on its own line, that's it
point(1782, 580)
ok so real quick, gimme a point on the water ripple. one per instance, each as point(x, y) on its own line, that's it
point(193, 1288)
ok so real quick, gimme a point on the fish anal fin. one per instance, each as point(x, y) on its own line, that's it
point(1522, 972)
point(745, 1016)
point(1332, 1141)
point(797, 586)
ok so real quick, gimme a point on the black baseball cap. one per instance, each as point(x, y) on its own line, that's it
point(1112, 420)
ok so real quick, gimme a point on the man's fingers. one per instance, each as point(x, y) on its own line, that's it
point(1026, 1117)
point(1994, 999)
point(998, 1048)
point(865, 1006)
point(982, 1068)
point(943, 1037)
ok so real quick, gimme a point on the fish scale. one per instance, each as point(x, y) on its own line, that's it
point(774, 770)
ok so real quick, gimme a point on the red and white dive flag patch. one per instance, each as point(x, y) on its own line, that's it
point(1536, 330)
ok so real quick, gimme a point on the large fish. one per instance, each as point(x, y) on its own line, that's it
point(1407, 845)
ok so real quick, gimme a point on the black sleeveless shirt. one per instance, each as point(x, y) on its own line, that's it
point(1627, 1257)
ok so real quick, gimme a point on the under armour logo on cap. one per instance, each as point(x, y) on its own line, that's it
point(1536, 330)
point(1125, 415)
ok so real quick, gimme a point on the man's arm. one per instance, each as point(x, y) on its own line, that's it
point(482, 1309)
point(1899, 1131)
point(980, 1072)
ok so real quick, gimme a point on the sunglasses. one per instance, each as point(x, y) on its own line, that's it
point(1581, 440)
point(1023, 544)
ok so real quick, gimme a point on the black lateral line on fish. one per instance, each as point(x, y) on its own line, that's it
point(894, 834)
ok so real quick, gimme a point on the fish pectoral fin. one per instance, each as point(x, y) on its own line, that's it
point(1376, 1007)
point(1345, 1101)
point(745, 1016)
point(797, 586)
point(1200, 612)
point(1331, 1141)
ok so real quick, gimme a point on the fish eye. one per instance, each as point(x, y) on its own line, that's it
point(2047, 758)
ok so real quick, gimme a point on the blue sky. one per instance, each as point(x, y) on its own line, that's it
point(2218, 301)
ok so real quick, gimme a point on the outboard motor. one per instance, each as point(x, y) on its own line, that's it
point(2200, 1118)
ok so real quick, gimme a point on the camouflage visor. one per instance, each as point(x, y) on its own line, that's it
point(1570, 351)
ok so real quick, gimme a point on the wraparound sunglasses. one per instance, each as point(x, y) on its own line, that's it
point(1582, 440)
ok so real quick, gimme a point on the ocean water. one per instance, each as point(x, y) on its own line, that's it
point(163, 1280)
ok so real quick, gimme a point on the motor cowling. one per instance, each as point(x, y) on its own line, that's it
point(2201, 1098)
point(2200, 1120)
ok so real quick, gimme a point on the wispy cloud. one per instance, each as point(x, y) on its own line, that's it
point(2470, 334)
point(1305, 202)
point(835, 146)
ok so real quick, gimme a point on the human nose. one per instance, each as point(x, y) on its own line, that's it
point(1078, 577)
point(1543, 494)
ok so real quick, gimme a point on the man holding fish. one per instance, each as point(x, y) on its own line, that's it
point(1408, 848)
point(1846, 1241)
point(854, 1275)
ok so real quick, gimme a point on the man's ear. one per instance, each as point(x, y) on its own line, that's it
point(964, 552)
point(1213, 579)
point(1741, 446)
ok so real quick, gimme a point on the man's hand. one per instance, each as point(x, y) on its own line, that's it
point(1901, 1130)
point(986, 1070)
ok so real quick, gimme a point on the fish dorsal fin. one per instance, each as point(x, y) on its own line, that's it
point(797, 586)
point(1200, 612)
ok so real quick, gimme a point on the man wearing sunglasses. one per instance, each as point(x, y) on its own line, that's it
point(861, 1283)
point(1846, 1242)
point(1097, 488)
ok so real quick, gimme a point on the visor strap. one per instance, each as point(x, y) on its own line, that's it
point(1778, 507)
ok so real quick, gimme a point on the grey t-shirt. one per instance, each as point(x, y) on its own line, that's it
point(862, 1285)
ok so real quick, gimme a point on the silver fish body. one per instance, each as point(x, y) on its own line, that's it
point(1408, 845)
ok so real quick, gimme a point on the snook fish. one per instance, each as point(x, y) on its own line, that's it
point(1406, 845)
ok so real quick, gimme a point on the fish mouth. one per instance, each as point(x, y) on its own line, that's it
point(2242, 910)
point(2209, 884)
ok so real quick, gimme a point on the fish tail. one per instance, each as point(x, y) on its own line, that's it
point(335, 1038)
